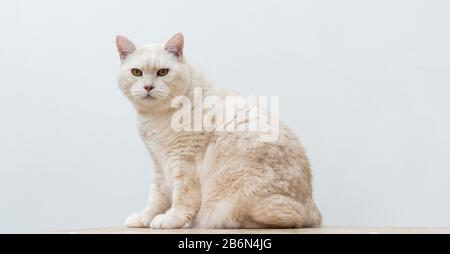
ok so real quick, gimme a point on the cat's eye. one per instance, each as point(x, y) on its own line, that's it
point(136, 72)
point(162, 72)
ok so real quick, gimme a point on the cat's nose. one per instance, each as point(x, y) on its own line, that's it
point(148, 88)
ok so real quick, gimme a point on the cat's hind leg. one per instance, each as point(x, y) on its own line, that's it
point(279, 211)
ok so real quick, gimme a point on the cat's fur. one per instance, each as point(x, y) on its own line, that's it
point(207, 179)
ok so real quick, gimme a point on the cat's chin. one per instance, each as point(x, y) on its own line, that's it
point(144, 103)
point(145, 99)
point(148, 97)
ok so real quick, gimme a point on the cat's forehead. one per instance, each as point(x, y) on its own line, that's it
point(150, 56)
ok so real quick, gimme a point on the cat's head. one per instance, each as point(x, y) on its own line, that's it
point(152, 75)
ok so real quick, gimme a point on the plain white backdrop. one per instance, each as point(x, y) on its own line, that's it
point(365, 85)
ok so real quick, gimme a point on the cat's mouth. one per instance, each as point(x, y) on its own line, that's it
point(148, 97)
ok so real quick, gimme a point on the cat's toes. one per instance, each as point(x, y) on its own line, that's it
point(138, 220)
point(167, 221)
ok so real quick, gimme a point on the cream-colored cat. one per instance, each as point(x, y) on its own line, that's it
point(209, 179)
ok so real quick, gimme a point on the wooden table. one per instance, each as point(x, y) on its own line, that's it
point(323, 230)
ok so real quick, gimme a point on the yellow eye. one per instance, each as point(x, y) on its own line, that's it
point(162, 72)
point(136, 72)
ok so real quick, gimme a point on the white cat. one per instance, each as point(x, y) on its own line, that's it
point(209, 179)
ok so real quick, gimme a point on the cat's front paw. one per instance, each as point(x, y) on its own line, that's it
point(167, 221)
point(138, 220)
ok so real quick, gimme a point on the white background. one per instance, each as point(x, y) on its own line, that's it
point(365, 85)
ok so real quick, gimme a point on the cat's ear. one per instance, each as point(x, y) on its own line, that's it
point(124, 46)
point(175, 45)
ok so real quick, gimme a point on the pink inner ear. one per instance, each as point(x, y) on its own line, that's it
point(175, 45)
point(124, 46)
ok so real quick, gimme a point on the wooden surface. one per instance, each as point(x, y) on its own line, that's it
point(323, 230)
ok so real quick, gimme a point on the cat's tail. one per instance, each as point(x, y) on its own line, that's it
point(279, 211)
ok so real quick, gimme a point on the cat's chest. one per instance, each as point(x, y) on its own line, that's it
point(171, 149)
point(157, 140)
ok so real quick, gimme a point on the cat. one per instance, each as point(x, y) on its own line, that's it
point(209, 179)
